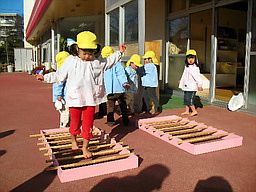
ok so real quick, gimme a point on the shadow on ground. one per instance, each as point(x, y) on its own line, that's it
point(149, 179)
point(119, 131)
point(37, 183)
point(2, 152)
point(213, 184)
point(6, 133)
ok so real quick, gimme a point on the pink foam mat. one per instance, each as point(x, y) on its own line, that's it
point(229, 141)
point(72, 174)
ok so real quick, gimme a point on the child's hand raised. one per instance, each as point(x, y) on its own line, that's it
point(122, 48)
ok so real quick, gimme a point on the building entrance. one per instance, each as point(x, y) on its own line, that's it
point(231, 35)
point(200, 40)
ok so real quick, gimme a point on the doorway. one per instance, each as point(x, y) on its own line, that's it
point(231, 41)
point(200, 40)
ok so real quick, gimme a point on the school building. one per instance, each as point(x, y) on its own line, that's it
point(223, 32)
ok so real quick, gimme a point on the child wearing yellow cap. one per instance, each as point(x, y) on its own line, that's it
point(116, 83)
point(132, 65)
point(150, 81)
point(190, 82)
point(84, 78)
point(59, 92)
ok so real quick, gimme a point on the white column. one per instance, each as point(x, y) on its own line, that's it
point(58, 43)
point(121, 25)
point(107, 29)
point(141, 27)
point(52, 48)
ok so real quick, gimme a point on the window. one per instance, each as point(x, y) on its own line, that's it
point(114, 27)
point(131, 22)
point(178, 35)
point(44, 55)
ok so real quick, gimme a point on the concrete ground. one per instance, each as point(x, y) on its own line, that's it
point(26, 108)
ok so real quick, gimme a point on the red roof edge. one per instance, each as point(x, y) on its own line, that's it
point(37, 12)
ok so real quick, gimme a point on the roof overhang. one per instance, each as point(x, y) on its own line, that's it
point(47, 12)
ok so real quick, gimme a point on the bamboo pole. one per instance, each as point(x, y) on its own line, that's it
point(104, 152)
point(171, 125)
point(178, 127)
point(205, 138)
point(65, 136)
point(89, 148)
point(66, 145)
point(56, 137)
point(48, 133)
point(36, 135)
point(198, 134)
point(162, 121)
point(68, 140)
point(60, 141)
point(184, 131)
point(90, 162)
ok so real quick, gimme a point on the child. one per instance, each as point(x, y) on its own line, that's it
point(59, 92)
point(102, 106)
point(116, 82)
point(83, 74)
point(134, 105)
point(190, 82)
point(150, 81)
point(71, 47)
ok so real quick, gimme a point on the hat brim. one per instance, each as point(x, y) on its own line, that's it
point(129, 63)
point(138, 64)
point(86, 46)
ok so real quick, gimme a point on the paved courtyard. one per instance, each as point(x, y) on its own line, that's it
point(26, 108)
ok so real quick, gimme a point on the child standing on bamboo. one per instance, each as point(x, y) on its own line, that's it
point(84, 76)
point(190, 82)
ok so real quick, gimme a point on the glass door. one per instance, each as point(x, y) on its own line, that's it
point(178, 38)
point(200, 40)
point(231, 41)
point(251, 103)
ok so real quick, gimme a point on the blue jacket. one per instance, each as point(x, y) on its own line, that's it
point(114, 78)
point(59, 89)
point(150, 78)
point(132, 79)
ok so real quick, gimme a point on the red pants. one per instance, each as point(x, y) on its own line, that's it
point(87, 114)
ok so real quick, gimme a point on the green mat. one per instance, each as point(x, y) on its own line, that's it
point(171, 102)
point(175, 102)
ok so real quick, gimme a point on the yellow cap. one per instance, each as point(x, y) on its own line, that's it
point(152, 55)
point(60, 58)
point(135, 58)
point(106, 51)
point(86, 40)
point(191, 52)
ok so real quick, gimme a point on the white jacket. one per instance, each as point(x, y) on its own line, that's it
point(84, 79)
point(191, 79)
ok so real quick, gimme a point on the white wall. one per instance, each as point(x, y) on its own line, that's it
point(28, 6)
